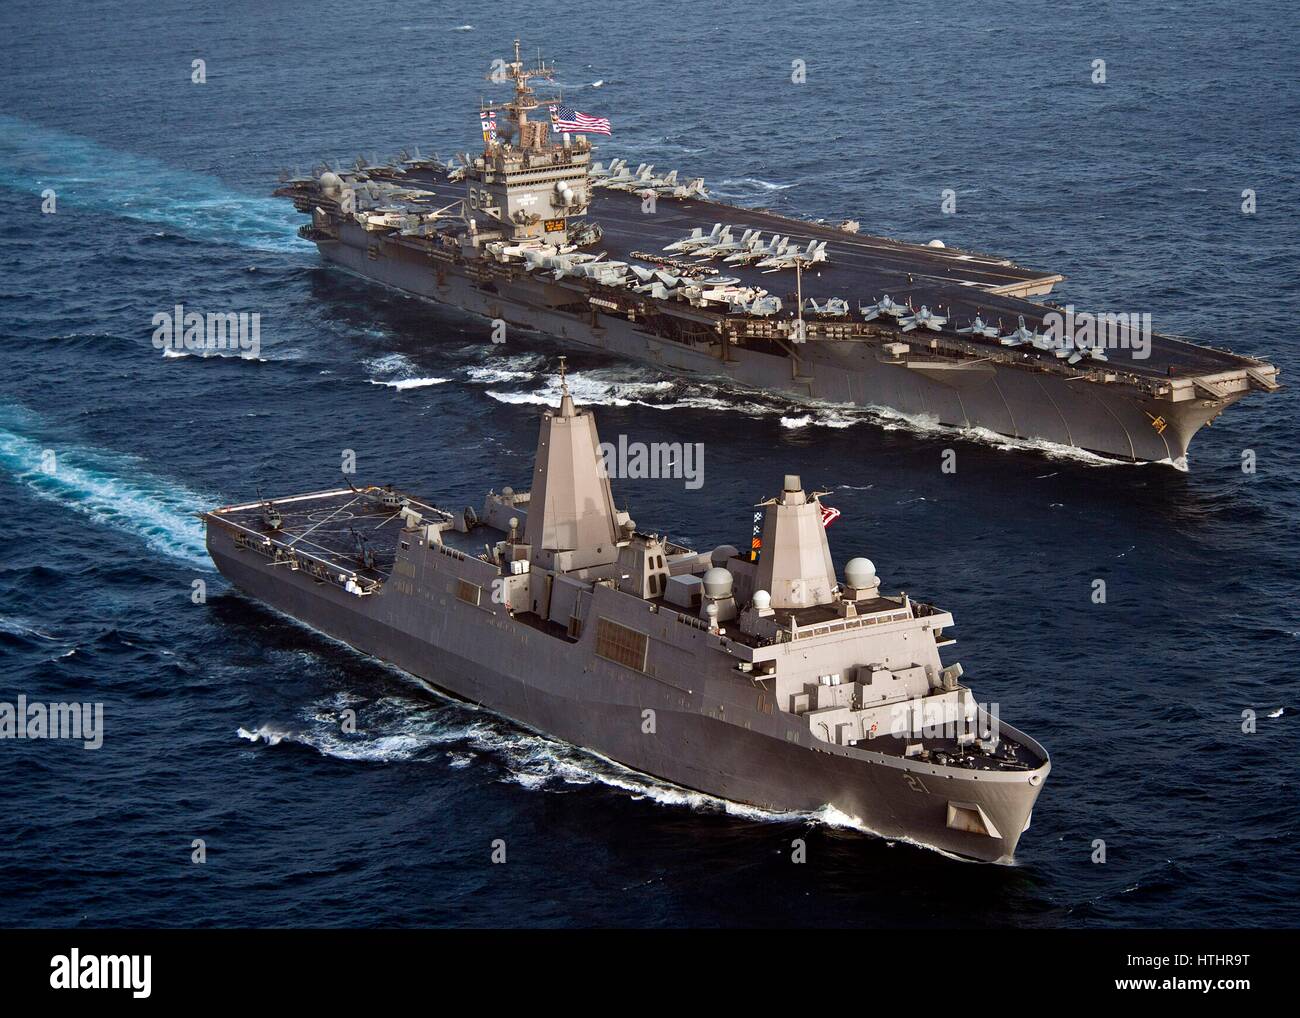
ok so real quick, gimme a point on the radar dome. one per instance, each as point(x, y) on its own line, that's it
point(330, 181)
point(723, 554)
point(762, 600)
point(937, 243)
point(859, 572)
point(717, 583)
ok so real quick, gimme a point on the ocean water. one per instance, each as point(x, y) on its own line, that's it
point(220, 717)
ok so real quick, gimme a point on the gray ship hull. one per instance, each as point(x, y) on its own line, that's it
point(1020, 404)
point(712, 735)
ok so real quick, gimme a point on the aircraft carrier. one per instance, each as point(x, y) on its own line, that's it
point(532, 232)
point(758, 677)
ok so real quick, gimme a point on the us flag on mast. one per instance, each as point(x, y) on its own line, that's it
point(566, 118)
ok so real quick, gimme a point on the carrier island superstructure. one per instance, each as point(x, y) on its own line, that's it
point(769, 682)
point(532, 232)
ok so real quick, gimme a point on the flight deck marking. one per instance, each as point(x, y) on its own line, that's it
point(311, 517)
point(299, 537)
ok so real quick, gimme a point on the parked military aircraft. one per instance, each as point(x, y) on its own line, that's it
point(884, 306)
point(924, 317)
point(835, 307)
point(697, 239)
point(979, 328)
point(815, 252)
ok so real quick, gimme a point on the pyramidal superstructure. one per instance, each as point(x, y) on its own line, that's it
point(795, 566)
point(571, 511)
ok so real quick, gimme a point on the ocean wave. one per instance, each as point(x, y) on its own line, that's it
point(91, 177)
point(647, 387)
point(381, 750)
point(521, 368)
point(245, 355)
point(404, 371)
point(410, 383)
point(591, 389)
point(496, 376)
point(750, 183)
point(112, 490)
point(389, 363)
point(926, 425)
point(22, 627)
point(398, 729)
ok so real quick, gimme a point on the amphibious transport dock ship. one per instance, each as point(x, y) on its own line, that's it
point(767, 682)
point(533, 233)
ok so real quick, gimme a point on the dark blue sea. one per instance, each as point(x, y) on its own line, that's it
point(221, 718)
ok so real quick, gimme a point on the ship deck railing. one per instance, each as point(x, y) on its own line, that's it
point(793, 631)
point(318, 568)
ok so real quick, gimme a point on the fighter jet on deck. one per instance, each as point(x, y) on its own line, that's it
point(697, 239)
point(979, 328)
point(884, 306)
point(834, 307)
point(815, 252)
point(924, 317)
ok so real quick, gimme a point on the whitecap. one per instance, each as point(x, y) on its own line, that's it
point(753, 182)
point(410, 383)
point(240, 355)
point(389, 364)
point(497, 376)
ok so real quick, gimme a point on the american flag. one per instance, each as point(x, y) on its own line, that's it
point(829, 515)
point(566, 118)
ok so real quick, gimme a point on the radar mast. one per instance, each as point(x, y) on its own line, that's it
point(529, 185)
point(532, 136)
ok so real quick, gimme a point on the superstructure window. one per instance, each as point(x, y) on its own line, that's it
point(468, 592)
point(621, 645)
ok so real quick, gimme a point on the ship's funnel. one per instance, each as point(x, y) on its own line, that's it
point(794, 563)
point(571, 508)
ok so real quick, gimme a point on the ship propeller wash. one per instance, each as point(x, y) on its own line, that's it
point(511, 234)
point(764, 680)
